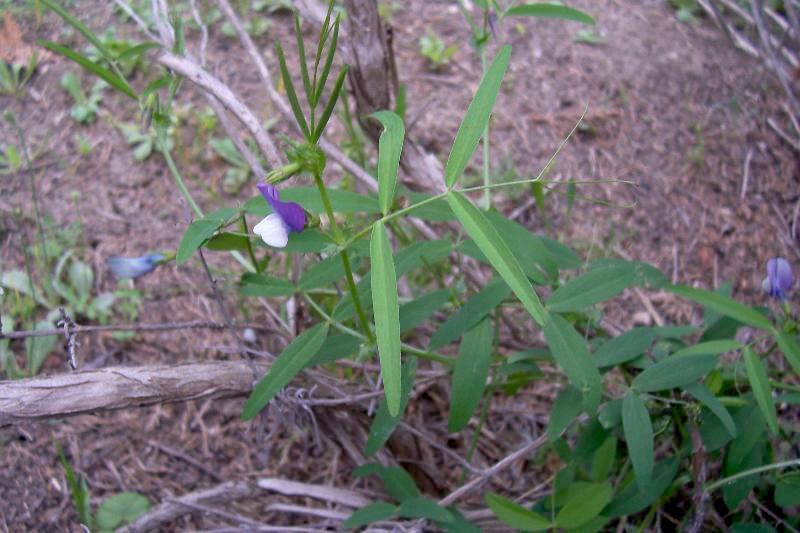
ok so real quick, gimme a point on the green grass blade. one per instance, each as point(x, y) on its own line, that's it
point(550, 11)
point(78, 25)
point(326, 113)
point(497, 252)
point(387, 315)
point(390, 147)
point(291, 94)
point(639, 435)
point(759, 382)
point(101, 72)
point(469, 374)
point(288, 364)
point(476, 118)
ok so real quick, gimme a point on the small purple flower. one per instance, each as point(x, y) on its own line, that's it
point(779, 278)
point(133, 267)
point(285, 218)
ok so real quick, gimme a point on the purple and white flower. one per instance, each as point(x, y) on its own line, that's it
point(285, 218)
point(779, 278)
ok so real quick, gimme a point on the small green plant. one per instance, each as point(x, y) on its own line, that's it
point(115, 511)
point(686, 10)
point(434, 50)
point(10, 161)
point(143, 142)
point(14, 76)
point(85, 108)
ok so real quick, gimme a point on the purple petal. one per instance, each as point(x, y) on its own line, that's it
point(292, 213)
point(779, 274)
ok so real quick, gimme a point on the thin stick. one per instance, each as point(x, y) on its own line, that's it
point(74, 328)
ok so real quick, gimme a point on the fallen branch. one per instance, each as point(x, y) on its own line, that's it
point(120, 387)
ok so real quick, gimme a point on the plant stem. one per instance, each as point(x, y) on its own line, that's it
point(751, 472)
point(249, 245)
point(351, 284)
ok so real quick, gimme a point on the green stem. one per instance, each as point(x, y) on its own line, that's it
point(351, 284)
point(751, 472)
point(249, 245)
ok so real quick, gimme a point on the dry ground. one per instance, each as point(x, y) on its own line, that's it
point(671, 107)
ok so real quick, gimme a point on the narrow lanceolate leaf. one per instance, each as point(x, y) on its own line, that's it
point(516, 515)
point(709, 347)
point(469, 374)
point(497, 252)
point(565, 409)
point(472, 312)
point(639, 436)
point(290, 92)
point(476, 118)
point(570, 352)
point(390, 146)
point(790, 349)
point(370, 513)
point(550, 11)
point(288, 364)
point(674, 372)
point(585, 505)
point(593, 287)
point(724, 305)
point(99, 71)
point(387, 315)
point(759, 382)
point(625, 347)
point(328, 109)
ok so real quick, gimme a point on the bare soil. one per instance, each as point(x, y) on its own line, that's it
point(670, 106)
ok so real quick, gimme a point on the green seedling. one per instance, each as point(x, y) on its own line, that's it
point(85, 108)
point(434, 50)
point(14, 76)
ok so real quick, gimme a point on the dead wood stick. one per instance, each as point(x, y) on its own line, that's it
point(120, 387)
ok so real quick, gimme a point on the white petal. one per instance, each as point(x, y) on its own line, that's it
point(273, 231)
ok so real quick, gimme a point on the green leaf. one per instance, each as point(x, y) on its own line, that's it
point(707, 398)
point(625, 347)
point(99, 71)
point(635, 498)
point(387, 314)
point(759, 382)
point(326, 68)
point(227, 241)
point(593, 287)
point(790, 349)
point(417, 311)
point(585, 505)
point(370, 513)
point(516, 515)
point(396, 481)
point(291, 361)
point(122, 508)
point(724, 305)
point(291, 94)
point(476, 118)
point(603, 460)
point(325, 272)
point(262, 285)
point(136, 50)
point(472, 312)
point(674, 372)
point(390, 147)
point(709, 347)
point(787, 492)
point(565, 409)
point(549, 11)
point(497, 252)
point(336, 347)
point(384, 423)
point(81, 278)
point(78, 25)
point(421, 507)
point(332, 99)
point(638, 432)
point(37, 348)
point(469, 374)
point(301, 54)
point(196, 234)
point(570, 352)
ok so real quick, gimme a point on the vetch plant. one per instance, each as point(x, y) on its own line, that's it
point(286, 217)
